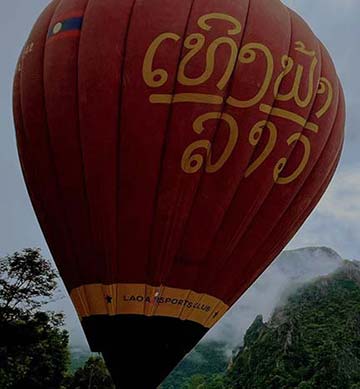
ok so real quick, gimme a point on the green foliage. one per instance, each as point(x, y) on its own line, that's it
point(78, 359)
point(93, 375)
point(199, 381)
point(34, 350)
point(200, 369)
point(26, 280)
point(33, 354)
point(311, 342)
point(33, 346)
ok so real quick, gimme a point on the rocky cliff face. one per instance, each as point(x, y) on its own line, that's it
point(282, 278)
point(312, 341)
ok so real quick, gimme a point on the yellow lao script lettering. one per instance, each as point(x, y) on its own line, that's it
point(254, 139)
point(325, 87)
point(192, 160)
point(298, 136)
point(288, 64)
point(158, 77)
point(192, 163)
point(248, 55)
point(195, 43)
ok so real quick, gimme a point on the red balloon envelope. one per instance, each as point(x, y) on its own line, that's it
point(171, 148)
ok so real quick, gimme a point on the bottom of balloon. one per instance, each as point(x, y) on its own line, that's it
point(147, 300)
point(140, 351)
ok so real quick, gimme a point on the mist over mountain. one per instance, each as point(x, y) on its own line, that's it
point(286, 272)
point(274, 294)
point(312, 341)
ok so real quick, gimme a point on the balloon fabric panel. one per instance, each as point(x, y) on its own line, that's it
point(171, 149)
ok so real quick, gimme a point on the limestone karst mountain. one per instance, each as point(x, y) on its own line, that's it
point(312, 341)
point(282, 276)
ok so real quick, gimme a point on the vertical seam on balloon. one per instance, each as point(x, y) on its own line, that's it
point(224, 106)
point(163, 152)
point(21, 96)
point(317, 194)
point(222, 111)
point(232, 244)
point(254, 150)
point(323, 149)
point(105, 272)
point(52, 161)
point(301, 217)
point(21, 133)
point(276, 251)
point(39, 203)
point(249, 161)
point(20, 100)
point(218, 124)
point(174, 214)
point(118, 141)
point(309, 174)
point(84, 183)
point(311, 109)
point(288, 158)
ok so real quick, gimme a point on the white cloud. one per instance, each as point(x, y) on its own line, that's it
point(336, 5)
point(336, 220)
point(342, 201)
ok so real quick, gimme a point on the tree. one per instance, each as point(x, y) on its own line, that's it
point(33, 345)
point(196, 381)
point(94, 375)
point(26, 280)
point(205, 363)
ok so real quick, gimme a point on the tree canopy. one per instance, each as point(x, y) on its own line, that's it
point(33, 345)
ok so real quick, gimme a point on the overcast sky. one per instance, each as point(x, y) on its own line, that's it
point(336, 221)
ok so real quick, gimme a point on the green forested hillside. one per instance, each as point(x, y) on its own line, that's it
point(313, 341)
point(203, 366)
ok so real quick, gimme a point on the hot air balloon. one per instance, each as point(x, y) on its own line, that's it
point(171, 149)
